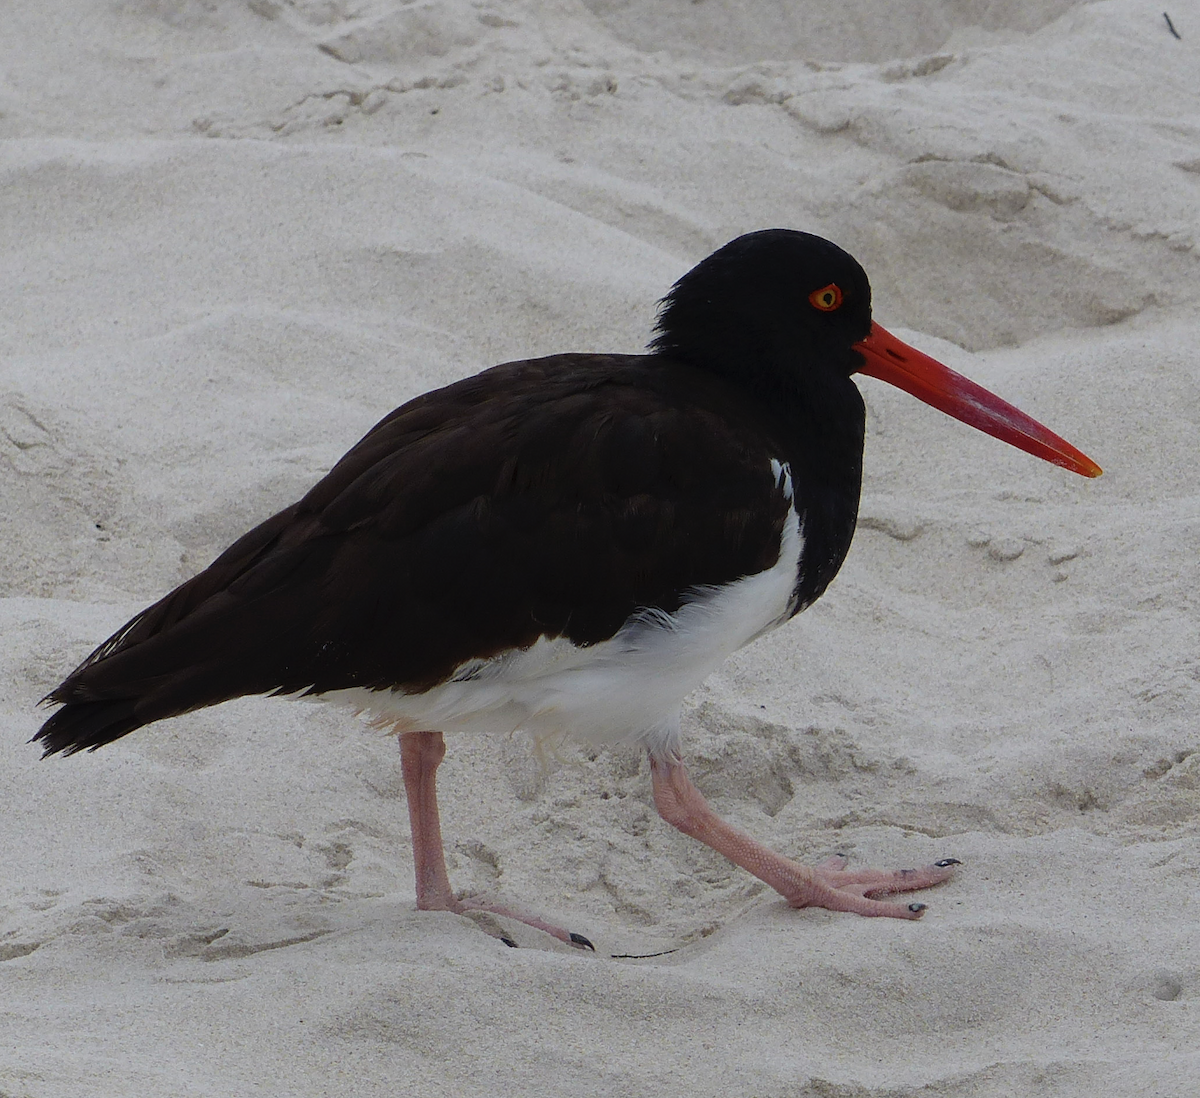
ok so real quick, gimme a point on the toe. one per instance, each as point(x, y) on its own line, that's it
point(854, 901)
point(880, 882)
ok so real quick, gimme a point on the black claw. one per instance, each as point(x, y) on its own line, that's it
point(946, 862)
point(580, 940)
point(508, 942)
point(915, 908)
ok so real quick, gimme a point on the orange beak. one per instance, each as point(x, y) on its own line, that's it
point(895, 362)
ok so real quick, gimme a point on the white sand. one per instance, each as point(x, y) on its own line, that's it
point(236, 233)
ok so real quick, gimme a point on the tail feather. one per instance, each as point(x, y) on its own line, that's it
point(192, 648)
point(87, 725)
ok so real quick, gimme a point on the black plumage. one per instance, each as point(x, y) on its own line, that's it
point(554, 497)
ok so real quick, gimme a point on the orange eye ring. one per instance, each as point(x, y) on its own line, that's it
point(827, 298)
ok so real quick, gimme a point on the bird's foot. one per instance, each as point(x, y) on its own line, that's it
point(831, 886)
point(463, 905)
point(828, 885)
point(420, 755)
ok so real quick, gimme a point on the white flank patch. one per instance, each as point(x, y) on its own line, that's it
point(627, 689)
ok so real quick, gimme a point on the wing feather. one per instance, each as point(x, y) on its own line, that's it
point(554, 497)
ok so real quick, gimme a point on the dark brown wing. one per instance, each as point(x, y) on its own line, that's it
point(545, 498)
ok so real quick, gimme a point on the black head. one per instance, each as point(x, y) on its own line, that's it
point(776, 302)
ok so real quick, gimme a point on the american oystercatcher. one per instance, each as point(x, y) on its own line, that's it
point(564, 545)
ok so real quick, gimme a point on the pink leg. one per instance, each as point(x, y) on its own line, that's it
point(680, 803)
point(421, 753)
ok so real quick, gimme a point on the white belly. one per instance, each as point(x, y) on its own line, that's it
point(627, 689)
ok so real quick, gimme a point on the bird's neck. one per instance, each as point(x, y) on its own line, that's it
point(824, 439)
point(819, 420)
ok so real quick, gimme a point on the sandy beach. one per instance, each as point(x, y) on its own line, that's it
point(236, 233)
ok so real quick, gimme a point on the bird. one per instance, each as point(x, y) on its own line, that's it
point(568, 546)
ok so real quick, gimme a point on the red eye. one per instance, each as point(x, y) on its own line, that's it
point(827, 298)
